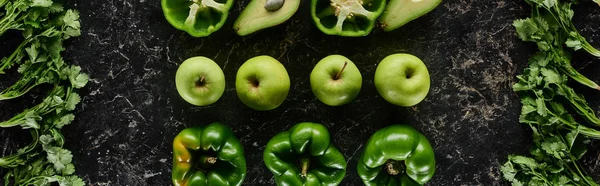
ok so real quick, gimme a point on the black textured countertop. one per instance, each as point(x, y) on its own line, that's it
point(131, 111)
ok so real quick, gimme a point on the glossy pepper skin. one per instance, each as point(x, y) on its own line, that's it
point(305, 156)
point(208, 155)
point(350, 18)
point(199, 18)
point(397, 155)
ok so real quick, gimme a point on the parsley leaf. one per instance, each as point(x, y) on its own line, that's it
point(77, 79)
point(41, 3)
point(59, 157)
point(73, 100)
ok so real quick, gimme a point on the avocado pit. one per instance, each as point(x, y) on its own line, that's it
point(273, 5)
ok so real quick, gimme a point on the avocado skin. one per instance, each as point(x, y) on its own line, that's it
point(399, 12)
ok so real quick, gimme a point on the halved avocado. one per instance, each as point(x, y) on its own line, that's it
point(255, 17)
point(400, 12)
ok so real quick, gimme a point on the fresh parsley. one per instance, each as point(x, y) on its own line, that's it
point(44, 25)
point(550, 106)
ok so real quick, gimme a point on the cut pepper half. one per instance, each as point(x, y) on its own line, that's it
point(346, 17)
point(199, 18)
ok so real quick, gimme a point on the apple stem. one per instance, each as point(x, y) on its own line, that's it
point(200, 83)
point(337, 76)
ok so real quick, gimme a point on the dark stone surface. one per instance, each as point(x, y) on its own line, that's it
point(131, 111)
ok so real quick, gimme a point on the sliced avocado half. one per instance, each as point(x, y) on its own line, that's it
point(256, 17)
point(400, 12)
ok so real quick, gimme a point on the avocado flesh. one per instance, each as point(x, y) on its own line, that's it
point(400, 12)
point(255, 17)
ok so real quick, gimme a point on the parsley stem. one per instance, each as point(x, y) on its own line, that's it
point(14, 58)
point(579, 172)
point(590, 49)
point(573, 74)
point(589, 132)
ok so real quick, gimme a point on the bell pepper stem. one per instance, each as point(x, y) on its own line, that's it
point(201, 6)
point(341, 17)
point(213, 4)
point(347, 9)
point(326, 12)
point(205, 163)
point(304, 163)
point(394, 167)
point(191, 19)
point(337, 76)
point(211, 160)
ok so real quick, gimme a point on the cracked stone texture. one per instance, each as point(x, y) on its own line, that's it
point(130, 110)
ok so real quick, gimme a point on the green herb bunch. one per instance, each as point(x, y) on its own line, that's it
point(44, 25)
point(561, 120)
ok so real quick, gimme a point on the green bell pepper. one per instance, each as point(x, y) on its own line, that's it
point(346, 17)
point(305, 156)
point(208, 155)
point(397, 155)
point(198, 18)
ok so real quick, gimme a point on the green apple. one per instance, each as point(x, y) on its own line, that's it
point(200, 81)
point(402, 79)
point(335, 80)
point(262, 83)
